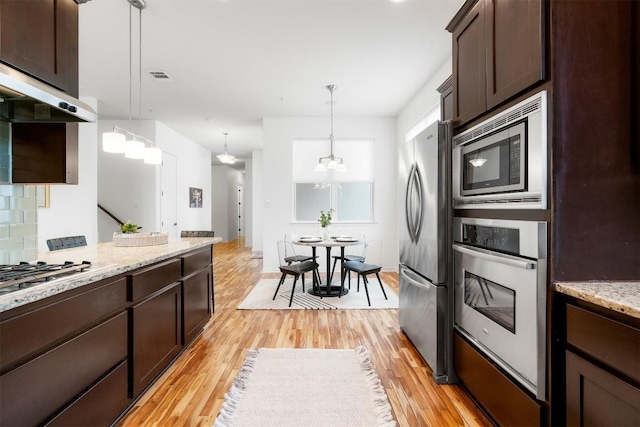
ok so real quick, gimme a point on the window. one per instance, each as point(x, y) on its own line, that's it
point(349, 194)
point(351, 201)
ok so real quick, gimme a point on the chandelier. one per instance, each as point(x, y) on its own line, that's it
point(331, 161)
point(226, 157)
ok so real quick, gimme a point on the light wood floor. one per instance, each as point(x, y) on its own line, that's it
point(192, 391)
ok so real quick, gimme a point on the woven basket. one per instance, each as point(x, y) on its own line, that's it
point(139, 239)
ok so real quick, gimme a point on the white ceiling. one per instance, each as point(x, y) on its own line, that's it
point(234, 62)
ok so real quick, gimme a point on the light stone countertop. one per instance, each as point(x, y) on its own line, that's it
point(106, 260)
point(623, 297)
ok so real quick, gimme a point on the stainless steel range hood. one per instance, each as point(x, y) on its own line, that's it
point(24, 99)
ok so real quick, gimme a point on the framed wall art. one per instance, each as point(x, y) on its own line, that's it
point(195, 197)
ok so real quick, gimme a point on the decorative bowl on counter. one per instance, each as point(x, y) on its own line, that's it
point(139, 239)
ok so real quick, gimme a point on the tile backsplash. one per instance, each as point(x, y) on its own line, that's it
point(18, 224)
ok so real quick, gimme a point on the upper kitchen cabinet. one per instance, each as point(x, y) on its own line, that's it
point(40, 38)
point(446, 99)
point(498, 52)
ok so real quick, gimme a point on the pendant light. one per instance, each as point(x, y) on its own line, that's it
point(226, 157)
point(113, 142)
point(123, 141)
point(331, 161)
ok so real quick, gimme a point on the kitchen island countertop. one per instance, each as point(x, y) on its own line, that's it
point(106, 260)
point(622, 296)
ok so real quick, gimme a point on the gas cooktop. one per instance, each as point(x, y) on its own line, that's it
point(24, 275)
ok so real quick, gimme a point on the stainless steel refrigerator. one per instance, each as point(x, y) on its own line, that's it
point(426, 299)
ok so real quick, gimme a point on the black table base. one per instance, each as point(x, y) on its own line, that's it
point(321, 291)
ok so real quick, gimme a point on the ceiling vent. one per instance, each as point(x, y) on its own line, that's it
point(161, 76)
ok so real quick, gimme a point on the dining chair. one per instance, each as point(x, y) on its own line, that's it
point(66, 242)
point(370, 265)
point(362, 269)
point(351, 253)
point(296, 269)
point(291, 256)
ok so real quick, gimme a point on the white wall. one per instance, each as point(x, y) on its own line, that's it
point(126, 187)
point(194, 170)
point(130, 189)
point(427, 100)
point(257, 200)
point(219, 210)
point(277, 199)
point(248, 203)
point(73, 208)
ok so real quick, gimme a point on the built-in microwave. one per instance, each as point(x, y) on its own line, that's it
point(502, 162)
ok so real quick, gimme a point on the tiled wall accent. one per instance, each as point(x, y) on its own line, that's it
point(18, 224)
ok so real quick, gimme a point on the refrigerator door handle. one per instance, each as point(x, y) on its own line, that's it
point(414, 282)
point(414, 186)
point(502, 259)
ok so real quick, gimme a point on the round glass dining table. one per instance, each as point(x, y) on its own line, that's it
point(328, 289)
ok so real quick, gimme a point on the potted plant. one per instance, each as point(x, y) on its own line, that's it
point(129, 228)
point(325, 222)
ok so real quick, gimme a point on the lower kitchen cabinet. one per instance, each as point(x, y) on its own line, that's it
point(82, 357)
point(32, 392)
point(156, 335)
point(596, 397)
point(196, 290)
point(602, 367)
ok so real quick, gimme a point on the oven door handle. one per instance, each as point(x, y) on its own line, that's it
point(491, 256)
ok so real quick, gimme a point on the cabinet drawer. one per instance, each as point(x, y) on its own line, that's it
point(33, 332)
point(34, 391)
point(101, 404)
point(195, 261)
point(152, 279)
point(501, 398)
point(609, 341)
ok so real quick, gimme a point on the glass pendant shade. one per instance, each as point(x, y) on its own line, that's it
point(113, 142)
point(134, 150)
point(153, 156)
point(226, 158)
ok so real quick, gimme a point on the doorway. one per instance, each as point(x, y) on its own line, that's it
point(168, 194)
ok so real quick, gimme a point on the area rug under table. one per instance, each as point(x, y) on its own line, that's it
point(261, 297)
point(306, 388)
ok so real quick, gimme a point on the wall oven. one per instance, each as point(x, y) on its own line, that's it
point(502, 162)
point(500, 275)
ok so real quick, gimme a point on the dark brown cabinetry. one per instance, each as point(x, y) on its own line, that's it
point(601, 358)
point(81, 357)
point(197, 292)
point(40, 38)
point(595, 63)
point(505, 402)
point(156, 321)
point(44, 153)
point(446, 99)
point(54, 352)
point(498, 52)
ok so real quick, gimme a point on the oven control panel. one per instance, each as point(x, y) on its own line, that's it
point(500, 239)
